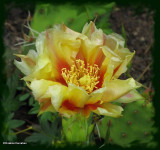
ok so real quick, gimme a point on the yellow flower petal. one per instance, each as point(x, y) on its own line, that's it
point(40, 87)
point(110, 42)
point(94, 34)
point(117, 88)
point(109, 109)
point(95, 96)
point(46, 106)
point(68, 30)
point(42, 70)
point(90, 46)
point(77, 95)
point(61, 44)
point(40, 43)
point(58, 95)
point(68, 65)
point(131, 96)
point(23, 67)
point(66, 112)
point(123, 66)
point(114, 47)
point(114, 41)
point(122, 52)
point(27, 62)
point(109, 53)
point(112, 60)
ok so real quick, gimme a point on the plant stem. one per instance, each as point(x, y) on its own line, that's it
point(24, 130)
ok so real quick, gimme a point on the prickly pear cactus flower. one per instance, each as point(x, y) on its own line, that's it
point(73, 72)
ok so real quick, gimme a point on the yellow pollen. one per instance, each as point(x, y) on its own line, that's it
point(85, 77)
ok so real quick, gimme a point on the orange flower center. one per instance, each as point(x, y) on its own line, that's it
point(81, 75)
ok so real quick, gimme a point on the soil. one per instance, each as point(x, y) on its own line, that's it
point(140, 37)
point(13, 31)
point(139, 32)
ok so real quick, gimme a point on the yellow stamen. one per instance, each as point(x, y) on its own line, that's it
point(85, 77)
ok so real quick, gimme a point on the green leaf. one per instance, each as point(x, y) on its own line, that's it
point(35, 108)
point(11, 104)
point(15, 123)
point(10, 136)
point(24, 97)
point(46, 116)
point(39, 138)
point(49, 131)
point(10, 116)
point(9, 124)
point(31, 101)
point(12, 83)
point(20, 88)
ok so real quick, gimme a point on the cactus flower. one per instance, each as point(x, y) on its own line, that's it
point(73, 72)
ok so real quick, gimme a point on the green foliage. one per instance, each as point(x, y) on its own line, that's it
point(40, 138)
point(35, 108)
point(46, 116)
point(48, 132)
point(24, 97)
point(8, 125)
point(136, 125)
point(10, 98)
point(31, 101)
point(13, 97)
point(72, 15)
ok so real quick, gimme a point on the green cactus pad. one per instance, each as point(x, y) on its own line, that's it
point(77, 128)
point(136, 125)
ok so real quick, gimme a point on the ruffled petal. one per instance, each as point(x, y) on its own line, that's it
point(40, 87)
point(57, 94)
point(77, 96)
point(109, 109)
point(42, 70)
point(114, 45)
point(45, 107)
point(66, 112)
point(111, 62)
point(90, 53)
point(118, 88)
point(94, 34)
point(123, 66)
point(68, 30)
point(95, 96)
point(90, 47)
point(27, 63)
point(23, 67)
point(61, 45)
point(114, 41)
point(131, 96)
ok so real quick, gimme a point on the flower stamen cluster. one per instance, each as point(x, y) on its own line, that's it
point(85, 76)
